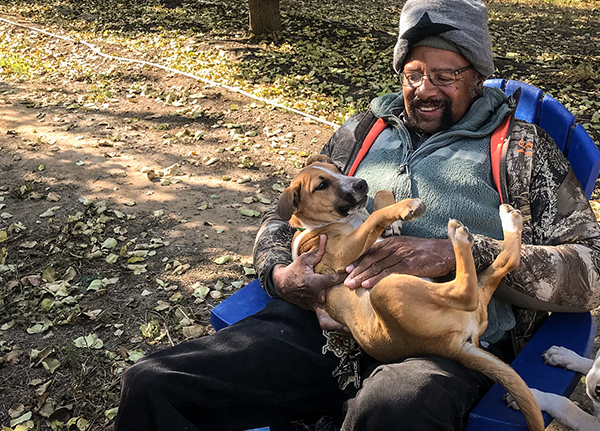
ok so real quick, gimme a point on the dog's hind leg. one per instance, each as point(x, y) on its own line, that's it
point(509, 257)
point(460, 293)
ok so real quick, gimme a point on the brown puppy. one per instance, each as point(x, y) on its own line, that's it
point(403, 315)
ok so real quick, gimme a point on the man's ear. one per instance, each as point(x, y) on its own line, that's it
point(479, 82)
point(322, 158)
point(288, 202)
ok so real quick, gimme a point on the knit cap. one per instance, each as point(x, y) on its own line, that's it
point(463, 24)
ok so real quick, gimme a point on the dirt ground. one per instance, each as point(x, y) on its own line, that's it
point(92, 166)
point(127, 220)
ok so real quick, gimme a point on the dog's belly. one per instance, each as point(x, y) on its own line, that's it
point(390, 322)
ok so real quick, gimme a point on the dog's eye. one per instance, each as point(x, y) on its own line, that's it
point(322, 186)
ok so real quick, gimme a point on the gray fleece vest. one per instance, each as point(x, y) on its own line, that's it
point(450, 172)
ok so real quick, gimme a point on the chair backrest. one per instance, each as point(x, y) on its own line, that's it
point(530, 101)
point(557, 121)
point(548, 113)
point(585, 158)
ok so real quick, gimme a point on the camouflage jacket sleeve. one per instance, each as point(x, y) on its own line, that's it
point(273, 245)
point(560, 257)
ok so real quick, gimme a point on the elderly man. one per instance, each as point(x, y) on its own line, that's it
point(272, 369)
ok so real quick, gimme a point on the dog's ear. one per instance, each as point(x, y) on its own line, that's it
point(321, 158)
point(288, 202)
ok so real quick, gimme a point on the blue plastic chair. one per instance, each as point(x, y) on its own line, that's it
point(557, 121)
point(575, 331)
point(584, 158)
point(243, 303)
point(530, 102)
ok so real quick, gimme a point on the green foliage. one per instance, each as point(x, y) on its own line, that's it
point(332, 58)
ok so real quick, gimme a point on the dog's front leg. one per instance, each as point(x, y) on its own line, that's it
point(561, 357)
point(562, 409)
point(360, 240)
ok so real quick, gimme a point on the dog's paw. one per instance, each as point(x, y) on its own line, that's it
point(411, 209)
point(558, 356)
point(457, 232)
point(540, 397)
point(510, 401)
point(512, 219)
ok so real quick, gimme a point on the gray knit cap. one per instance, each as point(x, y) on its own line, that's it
point(463, 23)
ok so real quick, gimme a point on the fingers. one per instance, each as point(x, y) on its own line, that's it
point(312, 258)
point(371, 282)
point(361, 270)
point(366, 279)
point(380, 250)
point(335, 278)
point(325, 281)
point(328, 323)
point(369, 272)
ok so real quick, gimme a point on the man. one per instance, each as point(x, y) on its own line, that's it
point(270, 369)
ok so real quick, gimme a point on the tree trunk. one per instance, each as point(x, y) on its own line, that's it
point(265, 18)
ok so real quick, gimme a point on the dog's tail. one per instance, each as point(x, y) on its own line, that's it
point(500, 372)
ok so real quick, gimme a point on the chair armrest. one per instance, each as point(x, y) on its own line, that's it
point(243, 303)
point(575, 331)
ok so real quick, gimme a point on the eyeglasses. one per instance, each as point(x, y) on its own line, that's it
point(439, 78)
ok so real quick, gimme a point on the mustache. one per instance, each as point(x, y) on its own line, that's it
point(417, 102)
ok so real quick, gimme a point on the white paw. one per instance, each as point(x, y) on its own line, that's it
point(561, 357)
point(512, 220)
point(540, 397)
point(457, 232)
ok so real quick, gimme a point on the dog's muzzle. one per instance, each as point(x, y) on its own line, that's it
point(352, 195)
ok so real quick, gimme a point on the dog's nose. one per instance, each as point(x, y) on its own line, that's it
point(361, 186)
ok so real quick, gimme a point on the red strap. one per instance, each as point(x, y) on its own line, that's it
point(377, 128)
point(496, 146)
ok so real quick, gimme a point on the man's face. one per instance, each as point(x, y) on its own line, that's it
point(433, 108)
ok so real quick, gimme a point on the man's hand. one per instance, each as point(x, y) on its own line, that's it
point(299, 284)
point(423, 257)
point(327, 323)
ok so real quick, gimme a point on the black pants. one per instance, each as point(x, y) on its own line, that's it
point(269, 370)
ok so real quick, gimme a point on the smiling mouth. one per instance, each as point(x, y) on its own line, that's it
point(428, 108)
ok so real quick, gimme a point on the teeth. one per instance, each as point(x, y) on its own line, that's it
point(432, 108)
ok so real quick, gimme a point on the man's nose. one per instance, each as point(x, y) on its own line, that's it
point(425, 88)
